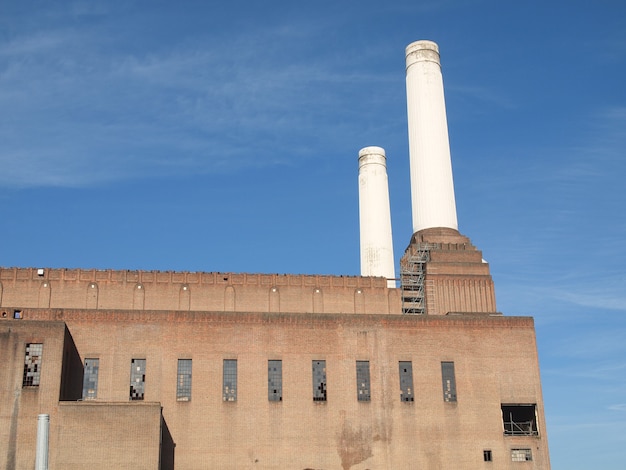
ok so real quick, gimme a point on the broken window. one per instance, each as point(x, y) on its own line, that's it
point(183, 381)
point(90, 379)
point(363, 380)
point(319, 380)
point(519, 420)
point(32, 365)
point(487, 455)
point(137, 379)
point(449, 382)
point(275, 380)
point(230, 380)
point(406, 381)
point(521, 455)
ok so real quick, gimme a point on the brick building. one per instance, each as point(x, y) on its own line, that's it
point(190, 370)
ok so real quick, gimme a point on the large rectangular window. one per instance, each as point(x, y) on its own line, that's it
point(32, 365)
point(363, 380)
point(319, 380)
point(90, 378)
point(275, 380)
point(230, 380)
point(519, 420)
point(448, 381)
point(406, 381)
point(137, 379)
point(183, 381)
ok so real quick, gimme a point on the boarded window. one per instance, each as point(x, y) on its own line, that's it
point(90, 378)
point(183, 381)
point(275, 380)
point(32, 365)
point(319, 380)
point(521, 455)
point(137, 379)
point(229, 390)
point(519, 420)
point(363, 380)
point(449, 382)
point(406, 381)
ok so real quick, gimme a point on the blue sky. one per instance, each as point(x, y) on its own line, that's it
point(208, 136)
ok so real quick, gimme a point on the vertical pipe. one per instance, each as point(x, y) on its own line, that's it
point(432, 188)
point(375, 216)
point(41, 458)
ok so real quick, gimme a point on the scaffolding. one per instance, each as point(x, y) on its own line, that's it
point(413, 277)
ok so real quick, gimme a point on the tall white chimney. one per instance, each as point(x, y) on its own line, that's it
point(375, 216)
point(432, 188)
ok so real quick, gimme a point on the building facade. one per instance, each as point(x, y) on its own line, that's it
point(191, 370)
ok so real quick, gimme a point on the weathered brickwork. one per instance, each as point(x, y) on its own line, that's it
point(156, 290)
point(494, 356)
point(437, 385)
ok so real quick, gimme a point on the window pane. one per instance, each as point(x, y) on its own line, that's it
point(230, 380)
point(32, 365)
point(90, 379)
point(137, 379)
point(319, 380)
point(183, 383)
point(275, 380)
point(363, 380)
point(406, 381)
point(449, 382)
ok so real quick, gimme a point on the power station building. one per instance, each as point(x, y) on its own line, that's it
point(104, 369)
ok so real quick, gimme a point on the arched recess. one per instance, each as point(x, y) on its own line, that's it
point(139, 297)
point(92, 295)
point(274, 300)
point(359, 301)
point(184, 298)
point(229, 299)
point(318, 301)
point(44, 295)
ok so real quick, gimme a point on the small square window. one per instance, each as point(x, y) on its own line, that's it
point(521, 455)
point(487, 455)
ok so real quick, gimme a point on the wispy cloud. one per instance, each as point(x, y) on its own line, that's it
point(83, 113)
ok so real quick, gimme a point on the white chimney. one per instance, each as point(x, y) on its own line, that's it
point(375, 216)
point(432, 188)
point(41, 455)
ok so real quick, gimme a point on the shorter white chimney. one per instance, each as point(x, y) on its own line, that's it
point(375, 216)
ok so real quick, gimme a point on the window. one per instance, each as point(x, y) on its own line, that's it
point(449, 382)
point(487, 455)
point(319, 380)
point(137, 379)
point(32, 365)
point(275, 380)
point(90, 379)
point(519, 420)
point(230, 380)
point(521, 455)
point(183, 381)
point(363, 380)
point(406, 381)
